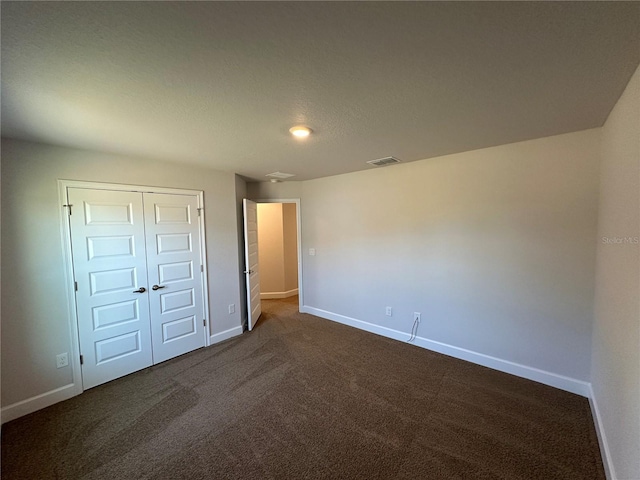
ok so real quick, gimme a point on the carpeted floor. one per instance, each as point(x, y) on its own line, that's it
point(302, 397)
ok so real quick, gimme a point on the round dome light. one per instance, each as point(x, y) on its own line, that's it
point(300, 131)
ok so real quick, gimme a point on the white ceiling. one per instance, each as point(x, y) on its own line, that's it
point(220, 84)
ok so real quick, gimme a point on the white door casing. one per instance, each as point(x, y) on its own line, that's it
point(109, 261)
point(175, 282)
point(121, 244)
point(252, 271)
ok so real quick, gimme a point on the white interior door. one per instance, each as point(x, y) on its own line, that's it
point(175, 282)
point(252, 272)
point(108, 250)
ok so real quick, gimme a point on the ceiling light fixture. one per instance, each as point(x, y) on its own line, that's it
point(300, 131)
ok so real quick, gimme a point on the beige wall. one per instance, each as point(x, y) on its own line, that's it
point(270, 247)
point(290, 246)
point(615, 368)
point(35, 314)
point(277, 191)
point(277, 248)
point(495, 247)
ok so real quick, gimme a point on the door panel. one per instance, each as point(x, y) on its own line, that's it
point(118, 313)
point(252, 271)
point(109, 281)
point(101, 247)
point(107, 236)
point(172, 301)
point(175, 271)
point(114, 348)
point(174, 243)
point(180, 328)
point(173, 256)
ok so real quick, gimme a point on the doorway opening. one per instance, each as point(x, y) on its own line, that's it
point(277, 250)
point(273, 260)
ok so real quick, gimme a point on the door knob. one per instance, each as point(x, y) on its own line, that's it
point(140, 290)
point(158, 287)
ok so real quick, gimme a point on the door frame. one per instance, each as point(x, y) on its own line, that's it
point(65, 231)
point(299, 237)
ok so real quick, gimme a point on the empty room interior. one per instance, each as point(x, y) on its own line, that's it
point(320, 240)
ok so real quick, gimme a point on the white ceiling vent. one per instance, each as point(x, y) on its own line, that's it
point(279, 175)
point(381, 162)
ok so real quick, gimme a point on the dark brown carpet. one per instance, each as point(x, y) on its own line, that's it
point(303, 397)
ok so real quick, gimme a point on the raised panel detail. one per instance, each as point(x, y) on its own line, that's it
point(174, 243)
point(255, 292)
point(180, 328)
point(106, 316)
point(109, 281)
point(104, 247)
point(253, 258)
point(99, 213)
point(173, 214)
point(117, 347)
point(175, 272)
point(170, 302)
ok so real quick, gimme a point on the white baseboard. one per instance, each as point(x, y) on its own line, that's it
point(548, 378)
point(602, 437)
point(222, 336)
point(274, 295)
point(30, 405)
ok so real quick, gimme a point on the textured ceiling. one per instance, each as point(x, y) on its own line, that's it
point(220, 84)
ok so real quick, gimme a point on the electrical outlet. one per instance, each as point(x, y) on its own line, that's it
point(416, 317)
point(232, 308)
point(62, 360)
point(312, 251)
point(389, 312)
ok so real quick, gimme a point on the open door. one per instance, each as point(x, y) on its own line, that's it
point(251, 270)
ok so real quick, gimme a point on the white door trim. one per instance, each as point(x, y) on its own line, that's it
point(299, 228)
point(65, 231)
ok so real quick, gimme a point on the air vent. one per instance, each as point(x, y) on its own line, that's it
point(279, 175)
point(381, 162)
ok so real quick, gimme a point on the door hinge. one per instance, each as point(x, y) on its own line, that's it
point(75, 284)
point(199, 210)
point(69, 205)
point(81, 360)
point(204, 322)
point(202, 268)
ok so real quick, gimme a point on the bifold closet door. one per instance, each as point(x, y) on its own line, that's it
point(175, 280)
point(110, 267)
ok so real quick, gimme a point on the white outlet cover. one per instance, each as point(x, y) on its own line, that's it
point(312, 251)
point(232, 308)
point(62, 360)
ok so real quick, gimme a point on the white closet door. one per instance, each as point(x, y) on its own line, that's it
point(107, 235)
point(175, 282)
